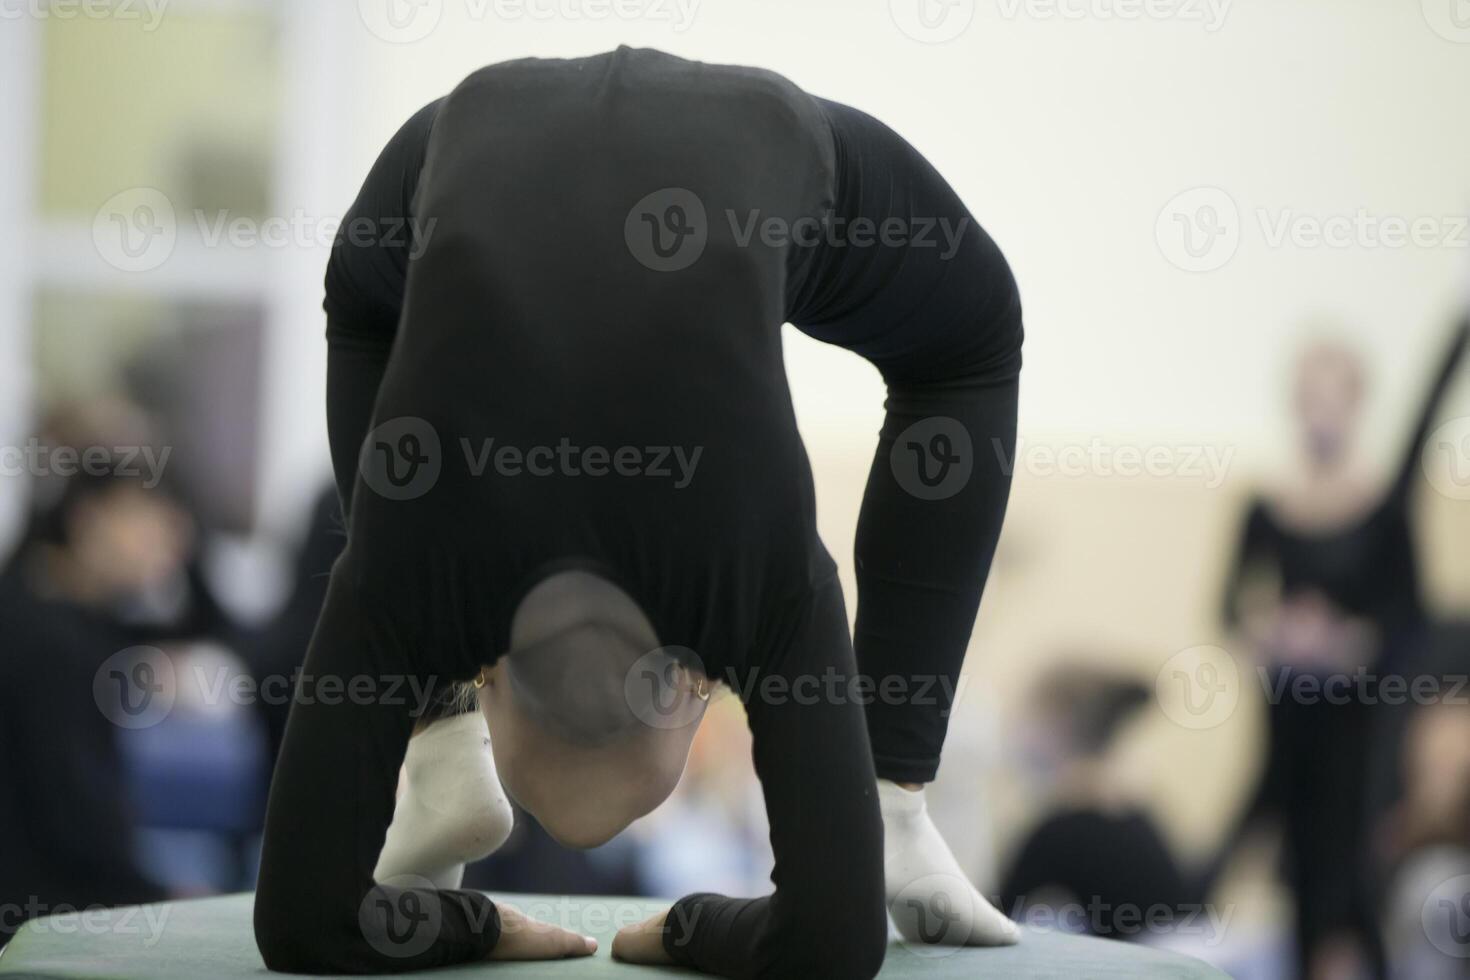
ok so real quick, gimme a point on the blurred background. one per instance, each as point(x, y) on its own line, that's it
point(1216, 698)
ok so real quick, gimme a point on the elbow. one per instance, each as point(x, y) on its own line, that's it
point(289, 937)
point(282, 936)
point(860, 956)
point(851, 954)
point(842, 937)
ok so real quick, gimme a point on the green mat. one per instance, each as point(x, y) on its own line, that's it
point(212, 938)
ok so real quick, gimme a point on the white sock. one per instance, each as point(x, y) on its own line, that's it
point(452, 809)
point(929, 897)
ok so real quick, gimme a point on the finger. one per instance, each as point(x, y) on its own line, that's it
point(574, 945)
point(624, 943)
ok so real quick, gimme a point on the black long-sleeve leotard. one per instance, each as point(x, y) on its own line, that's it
point(489, 282)
point(1368, 567)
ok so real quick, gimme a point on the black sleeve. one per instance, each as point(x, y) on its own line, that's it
point(1409, 464)
point(826, 917)
point(317, 908)
point(364, 291)
point(1256, 545)
point(937, 311)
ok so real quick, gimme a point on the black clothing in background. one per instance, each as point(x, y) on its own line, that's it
point(276, 651)
point(65, 831)
point(1330, 763)
point(1111, 869)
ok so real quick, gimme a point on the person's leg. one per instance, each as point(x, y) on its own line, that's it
point(452, 809)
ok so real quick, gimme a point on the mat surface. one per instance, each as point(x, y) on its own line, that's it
point(212, 938)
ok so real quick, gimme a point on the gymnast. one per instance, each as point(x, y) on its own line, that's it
point(522, 307)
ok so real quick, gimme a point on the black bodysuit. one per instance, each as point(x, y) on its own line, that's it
point(589, 262)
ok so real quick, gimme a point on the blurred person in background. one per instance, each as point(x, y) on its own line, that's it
point(1425, 838)
point(1340, 595)
point(102, 554)
point(274, 651)
point(1096, 859)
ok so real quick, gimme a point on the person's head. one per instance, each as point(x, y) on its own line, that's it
point(1328, 395)
point(590, 720)
point(100, 529)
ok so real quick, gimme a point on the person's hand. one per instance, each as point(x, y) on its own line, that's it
point(643, 942)
point(525, 938)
